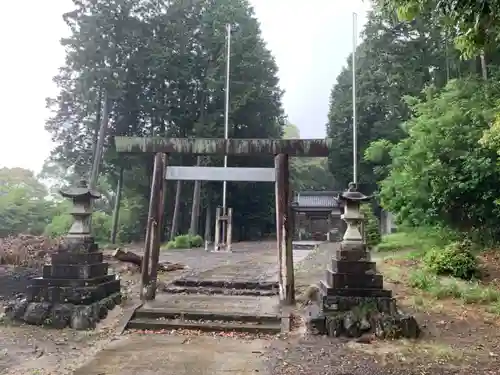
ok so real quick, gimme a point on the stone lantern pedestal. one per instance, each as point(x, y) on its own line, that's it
point(352, 296)
point(75, 289)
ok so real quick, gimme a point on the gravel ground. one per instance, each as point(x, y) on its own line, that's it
point(320, 355)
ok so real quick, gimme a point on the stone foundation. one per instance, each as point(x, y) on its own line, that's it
point(352, 299)
point(356, 316)
point(61, 315)
point(75, 290)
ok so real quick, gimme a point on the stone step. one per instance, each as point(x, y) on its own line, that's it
point(174, 289)
point(207, 326)
point(229, 284)
point(304, 247)
point(203, 316)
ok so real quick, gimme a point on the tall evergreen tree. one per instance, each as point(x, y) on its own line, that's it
point(163, 66)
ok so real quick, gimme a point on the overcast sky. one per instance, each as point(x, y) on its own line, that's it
point(309, 39)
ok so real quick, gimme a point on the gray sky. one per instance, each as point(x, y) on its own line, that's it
point(309, 39)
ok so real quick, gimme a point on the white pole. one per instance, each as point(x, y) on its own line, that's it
point(226, 110)
point(354, 125)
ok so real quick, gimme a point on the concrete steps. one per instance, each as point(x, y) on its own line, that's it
point(306, 245)
point(229, 284)
point(174, 289)
point(170, 318)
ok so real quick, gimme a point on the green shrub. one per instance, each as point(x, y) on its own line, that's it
point(60, 225)
point(371, 226)
point(184, 241)
point(196, 241)
point(456, 259)
point(169, 245)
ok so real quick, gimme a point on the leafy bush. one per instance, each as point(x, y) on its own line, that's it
point(60, 225)
point(184, 241)
point(133, 218)
point(456, 259)
point(371, 226)
point(196, 241)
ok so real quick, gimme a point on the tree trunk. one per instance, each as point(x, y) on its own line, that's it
point(484, 67)
point(96, 129)
point(195, 209)
point(94, 176)
point(175, 218)
point(208, 218)
point(116, 211)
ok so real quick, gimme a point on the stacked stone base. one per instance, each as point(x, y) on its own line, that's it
point(75, 290)
point(61, 315)
point(356, 316)
point(353, 300)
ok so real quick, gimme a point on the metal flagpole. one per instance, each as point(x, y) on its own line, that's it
point(354, 125)
point(226, 111)
point(224, 223)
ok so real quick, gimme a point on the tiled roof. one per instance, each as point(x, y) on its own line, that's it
point(320, 199)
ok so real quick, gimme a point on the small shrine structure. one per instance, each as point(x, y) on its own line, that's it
point(318, 216)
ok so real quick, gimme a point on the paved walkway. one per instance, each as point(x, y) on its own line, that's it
point(199, 355)
point(178, 355)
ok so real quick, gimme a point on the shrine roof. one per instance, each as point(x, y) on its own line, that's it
point(317, 199)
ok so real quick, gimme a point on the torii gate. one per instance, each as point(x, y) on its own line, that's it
point(281, 149)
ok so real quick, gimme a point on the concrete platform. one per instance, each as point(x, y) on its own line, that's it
point(306, 245)
point(179, 355)
point(216, 303)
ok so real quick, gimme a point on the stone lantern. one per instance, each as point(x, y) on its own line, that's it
point(75, 289)
point(82, 197)
point(352, 298)
point(353, 217)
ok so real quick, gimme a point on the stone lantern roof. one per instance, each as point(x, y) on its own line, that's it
point(82, 191)
point(352, 195)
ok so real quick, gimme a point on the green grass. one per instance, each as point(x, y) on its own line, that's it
point(416, 240)
point(469, 292)
point(414, 244)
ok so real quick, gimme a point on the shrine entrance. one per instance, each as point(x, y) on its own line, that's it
point(280, 149)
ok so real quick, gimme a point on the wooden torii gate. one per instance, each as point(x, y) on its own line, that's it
point(281, 149)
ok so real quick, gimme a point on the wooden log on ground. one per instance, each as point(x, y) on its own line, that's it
point(130, 257)
point(127, 256)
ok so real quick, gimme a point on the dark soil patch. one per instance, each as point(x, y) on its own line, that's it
point(490, 267)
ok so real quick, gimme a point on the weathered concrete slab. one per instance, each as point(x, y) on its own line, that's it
point(211, 146)
point(216, 303)
point(163, 354)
